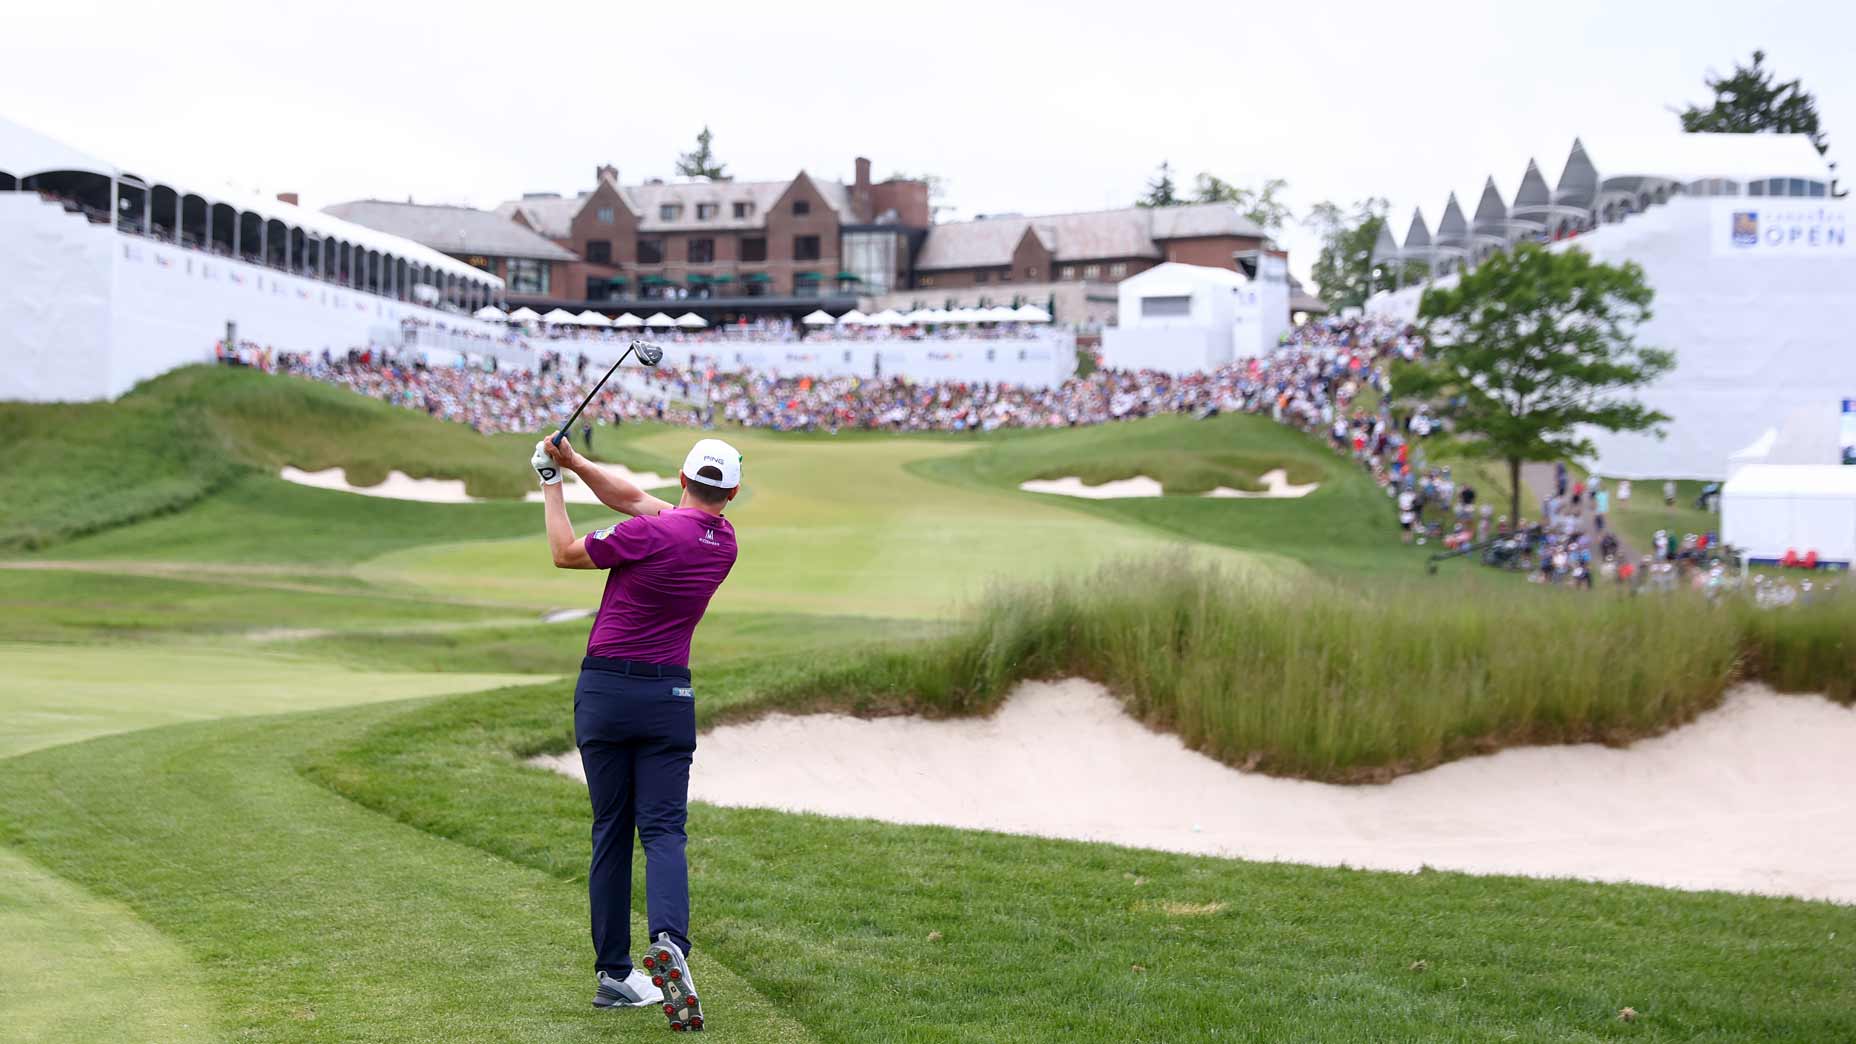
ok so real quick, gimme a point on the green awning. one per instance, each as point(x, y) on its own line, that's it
point(848, 277)
point(757, 277)
point(722, 277)
point(654, 280)
point(616, 281)
point(697, 278)
point(807, 277)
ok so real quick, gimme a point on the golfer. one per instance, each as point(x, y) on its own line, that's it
point(634, 708)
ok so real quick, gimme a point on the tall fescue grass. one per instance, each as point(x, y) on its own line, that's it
point(1328, 682)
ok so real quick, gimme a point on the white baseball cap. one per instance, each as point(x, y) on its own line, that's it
point(713, 462)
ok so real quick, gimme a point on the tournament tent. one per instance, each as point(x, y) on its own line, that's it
point(853, 318)
point(1769, 509)
point(592, 318)
point(965, 315)
point(819, 318)
point(660, 321)
point(490, 313)
point(628, 321)
point(561, 317)
point(998, 314)
point(1030, 314)
point(920, 316)
point(524, 315)
point(888, 317)
point(691, 321)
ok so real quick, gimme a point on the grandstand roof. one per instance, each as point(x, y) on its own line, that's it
point(25, 152)
point(1417, 236)
point(1533, 191)
point(1691, 157)
point(1578, 184)
point(1491, 212)
point(1452, 228)
point(1090, 235)
point(454, 230)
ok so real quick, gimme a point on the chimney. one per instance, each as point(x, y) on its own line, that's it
point(863, 172)
point(606, 172)
point(287, 197)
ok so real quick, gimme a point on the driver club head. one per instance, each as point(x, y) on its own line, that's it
point(648, 353)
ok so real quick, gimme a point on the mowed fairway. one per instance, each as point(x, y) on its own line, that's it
point(836, 526)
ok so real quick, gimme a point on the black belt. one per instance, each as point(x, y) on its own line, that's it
point(635, 668)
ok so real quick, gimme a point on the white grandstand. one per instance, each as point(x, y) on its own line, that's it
point(1752, 260)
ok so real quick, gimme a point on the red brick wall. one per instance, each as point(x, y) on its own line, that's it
point(783, 226)
point(622, 233)
point(1210, 251)
point(909, 199)
point(1031, 261)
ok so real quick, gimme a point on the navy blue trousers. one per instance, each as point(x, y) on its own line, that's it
point(636, 732)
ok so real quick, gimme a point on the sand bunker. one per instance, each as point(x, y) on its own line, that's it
point(401, 486)
point(1275, 485)
point(1752, 797)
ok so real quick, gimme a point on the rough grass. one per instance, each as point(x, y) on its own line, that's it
point(1328, 682)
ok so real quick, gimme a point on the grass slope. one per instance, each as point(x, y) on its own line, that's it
point(1346, 525)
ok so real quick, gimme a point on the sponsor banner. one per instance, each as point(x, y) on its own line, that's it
point(1846, 441)
point(1750, 226)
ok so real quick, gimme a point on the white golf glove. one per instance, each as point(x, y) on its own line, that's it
point(544, 465)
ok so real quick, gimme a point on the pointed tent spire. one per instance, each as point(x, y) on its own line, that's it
point(1418, 236)
point(1453, 229)
point(1533, 191)
point(1491, 212)
point(1384, 247)
point(1578, 185)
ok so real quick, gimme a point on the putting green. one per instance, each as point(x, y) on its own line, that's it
point(83, 968)
point(53, 694)
point(831, 527)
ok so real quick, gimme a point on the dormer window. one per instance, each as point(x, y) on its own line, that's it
point(707, 211)
point(670, 212)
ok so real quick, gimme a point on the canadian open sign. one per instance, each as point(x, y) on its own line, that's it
point(1775, 226)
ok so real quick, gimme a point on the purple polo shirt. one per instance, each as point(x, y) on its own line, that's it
point(664, 569)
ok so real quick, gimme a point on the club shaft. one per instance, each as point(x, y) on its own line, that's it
point(559, 435)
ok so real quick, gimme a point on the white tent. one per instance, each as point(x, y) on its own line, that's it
point(920, 316)
point(819, 318)
point(1769, 509)
point(660, 321)
point(964, 315)
point(628, 321)
point(1030, 313)
point(691, 321)
point(853, 318)
point(998, 314)
point(561, 317)
point(524, 315)
point(888, 317)
point(490, 312)
point(592, 318)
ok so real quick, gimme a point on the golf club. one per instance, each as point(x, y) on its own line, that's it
point(648, 353)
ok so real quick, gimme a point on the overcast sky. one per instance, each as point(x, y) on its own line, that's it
point(1029, 107)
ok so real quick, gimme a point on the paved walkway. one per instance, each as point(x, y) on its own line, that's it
point(1537, 481)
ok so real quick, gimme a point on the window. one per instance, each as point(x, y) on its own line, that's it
point(1092, 271)
point(702, 251)
point(670, 211)
point(598, 288)
point(805, 248)
point(650, 251)
point(1032, 272)
point(1755, 188)
point(754, 248)
point(599, 251)
point(982, 276)
point(802, 207)
point(1165, 307)
point(1067, 272)
point(528, 276)
point(1118, 270)
point(743, 210)
point(706, 211)
point(872, 257)
point(603, 215)
point(1005, 275)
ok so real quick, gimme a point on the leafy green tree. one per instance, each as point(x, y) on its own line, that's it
point(1344, 269)
point(1750, 102)
point(1262, 205)
point(701, 163)
point(1161, 191)
point(1532, 348)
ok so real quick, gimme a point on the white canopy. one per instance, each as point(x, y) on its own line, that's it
point(819, 318)
point(25, 152)
point(524, 314)
point(660, 321)
point(592, 318)
point(561, 317)
point(964, 315)
point(1030, 313)
point(998, 314)
point(490, 312)
point(628, 321)
point(853, 318)
point(691, 321)
point(921, 315)
point(888, 317)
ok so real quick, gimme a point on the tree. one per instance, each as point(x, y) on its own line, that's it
point(1260, 205)
point(1749, 102)
point(1530, 349)
point(1344, 270)
point(701, 163)
point(1161, 191)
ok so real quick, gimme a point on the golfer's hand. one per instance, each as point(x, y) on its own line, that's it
point(564, 454)
point(546, 468)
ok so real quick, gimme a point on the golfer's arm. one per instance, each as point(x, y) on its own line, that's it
point(621, 495)
point(569, 551)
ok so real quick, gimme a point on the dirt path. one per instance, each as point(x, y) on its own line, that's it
point(1539, 481)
